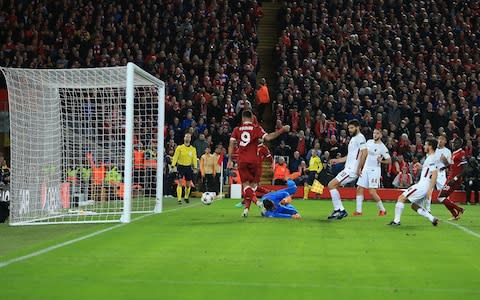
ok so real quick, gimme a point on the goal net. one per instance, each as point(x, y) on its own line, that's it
point(84, 144)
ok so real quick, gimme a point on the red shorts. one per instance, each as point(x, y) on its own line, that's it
point(451, 185)
point(259, 171)
point(249, 172)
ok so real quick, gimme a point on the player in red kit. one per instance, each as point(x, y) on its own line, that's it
point(263, 153)
point(248, 136)
point(454, 180)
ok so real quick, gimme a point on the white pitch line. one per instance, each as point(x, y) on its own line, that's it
point(464, 229)
point(66, 243)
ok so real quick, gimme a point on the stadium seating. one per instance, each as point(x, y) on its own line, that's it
point(408, 68)
point(411, 68)
point(202, 50)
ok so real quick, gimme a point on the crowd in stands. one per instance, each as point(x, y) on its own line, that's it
point(205, 51)
point(411, 68)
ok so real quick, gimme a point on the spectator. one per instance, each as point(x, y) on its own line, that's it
point(283, 150)
point(315, 149)
point(403, 145)
point(280, 172)
point(410, 154)
point(388, 62)
point(394, 113)
point(403, 179)
point(408, 66)
point(201, 144)
point(403, 129)
point(415, 169)
point(263, 98)
point(214, 111)
point(207, 170)
point(303, 173)
point(295, 161)
point(452, 130)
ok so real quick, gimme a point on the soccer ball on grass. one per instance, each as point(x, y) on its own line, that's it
point(207, 198)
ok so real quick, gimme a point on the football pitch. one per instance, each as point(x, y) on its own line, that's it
point(209, 252)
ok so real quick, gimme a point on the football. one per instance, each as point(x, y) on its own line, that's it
point(207, 198)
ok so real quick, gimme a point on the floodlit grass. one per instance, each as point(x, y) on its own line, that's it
point(209, 252)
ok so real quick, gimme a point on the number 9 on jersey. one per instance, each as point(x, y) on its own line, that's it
point(245, 139)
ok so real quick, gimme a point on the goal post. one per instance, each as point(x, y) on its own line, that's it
point(86, 144)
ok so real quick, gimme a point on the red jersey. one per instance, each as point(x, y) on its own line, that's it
point(459, 159)
point(235, 154)
point(263, 153)
point(247, 136)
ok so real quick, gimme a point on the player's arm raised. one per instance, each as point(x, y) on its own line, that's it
point(275, 134)
point(340, 160)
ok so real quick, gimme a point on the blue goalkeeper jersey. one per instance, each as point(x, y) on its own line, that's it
point(281, 210)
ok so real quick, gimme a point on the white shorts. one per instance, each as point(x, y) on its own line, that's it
point(346, 176)
point(416, 193)
point(441, 180)
point(370, 178)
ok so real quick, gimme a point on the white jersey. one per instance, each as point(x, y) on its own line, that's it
point(374, 151)
point(356, 144)
point(445, 152)
point(429, 165)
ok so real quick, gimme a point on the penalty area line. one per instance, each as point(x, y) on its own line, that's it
point(82, 238)
point(464, 229)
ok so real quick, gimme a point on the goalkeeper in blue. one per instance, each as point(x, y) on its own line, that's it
point(277, 203)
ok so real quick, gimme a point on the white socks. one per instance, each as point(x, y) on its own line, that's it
point(428, 203)
point(425, 214)
point(398, 211)
point(260, 205)
point(380, 206)
point(359, 203)
point(336, 200)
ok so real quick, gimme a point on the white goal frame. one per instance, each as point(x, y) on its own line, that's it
point(127, 78)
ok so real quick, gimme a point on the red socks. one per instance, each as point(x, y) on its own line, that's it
point(249, 196)
point(262, 190)
point(452, 207)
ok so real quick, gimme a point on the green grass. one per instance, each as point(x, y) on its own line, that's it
point(209, 252)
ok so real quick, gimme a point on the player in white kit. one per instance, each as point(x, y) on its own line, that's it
point(417, 193)
point(444, 159)
point(372, 172)
point(357, 153)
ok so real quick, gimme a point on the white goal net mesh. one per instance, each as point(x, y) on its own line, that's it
point(68, 130)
